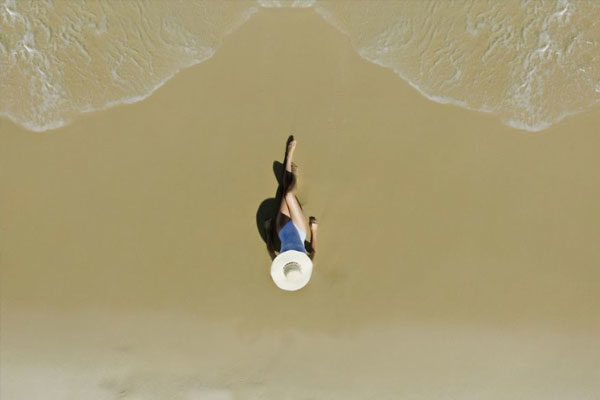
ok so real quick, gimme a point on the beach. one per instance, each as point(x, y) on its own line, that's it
point(458, 255)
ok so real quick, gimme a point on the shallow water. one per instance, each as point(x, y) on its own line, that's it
point(531, 63)
point(61, 58)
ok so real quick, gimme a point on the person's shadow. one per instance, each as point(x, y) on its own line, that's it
point(267, 214)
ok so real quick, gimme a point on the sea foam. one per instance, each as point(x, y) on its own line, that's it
point(530, 63)
point(58, 60)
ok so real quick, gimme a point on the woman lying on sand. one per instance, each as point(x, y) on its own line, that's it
point(292, 268)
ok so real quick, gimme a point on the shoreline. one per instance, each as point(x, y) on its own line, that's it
point(324, 15)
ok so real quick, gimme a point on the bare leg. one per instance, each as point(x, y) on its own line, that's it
point(296, 213)
point(289, 179)
point(283, 208)
point(293, 206)
point(283, 216)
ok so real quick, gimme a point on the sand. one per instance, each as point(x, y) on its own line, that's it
point(458, 256)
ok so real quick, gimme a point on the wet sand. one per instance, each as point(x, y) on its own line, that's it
point(458, 256)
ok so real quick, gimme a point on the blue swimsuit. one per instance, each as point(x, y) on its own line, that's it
point(292, 237)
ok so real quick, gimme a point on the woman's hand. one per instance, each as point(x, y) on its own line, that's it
point(312, 221)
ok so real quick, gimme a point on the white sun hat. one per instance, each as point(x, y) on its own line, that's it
point(291, 270)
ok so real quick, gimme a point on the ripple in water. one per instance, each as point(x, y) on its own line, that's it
point(61, 58)
point(531, 63)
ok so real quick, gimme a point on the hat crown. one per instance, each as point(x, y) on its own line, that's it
point(291, 270)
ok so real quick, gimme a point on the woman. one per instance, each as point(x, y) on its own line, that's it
point(292, 268)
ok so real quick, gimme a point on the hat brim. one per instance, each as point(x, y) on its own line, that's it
point(278, 274)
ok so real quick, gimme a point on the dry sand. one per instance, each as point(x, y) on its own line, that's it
point(458, 257)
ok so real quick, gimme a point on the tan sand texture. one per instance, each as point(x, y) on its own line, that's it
point(458, 256)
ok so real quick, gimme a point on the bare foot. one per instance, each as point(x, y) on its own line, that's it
point(290, 155)
point(291, 146)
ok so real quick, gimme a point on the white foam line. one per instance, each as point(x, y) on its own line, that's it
point(56, 124)
point(29, 125)
point(521, 125)
point(324, 14)
point(488, 110)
